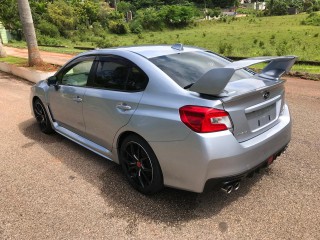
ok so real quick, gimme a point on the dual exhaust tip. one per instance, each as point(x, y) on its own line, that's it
point(229, 187)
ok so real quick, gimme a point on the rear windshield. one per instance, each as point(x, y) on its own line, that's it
point(187, 67)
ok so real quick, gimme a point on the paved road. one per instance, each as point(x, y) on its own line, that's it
point(52, 188)
point(49, 57)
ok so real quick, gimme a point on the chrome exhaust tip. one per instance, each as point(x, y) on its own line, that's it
point(236, 186)
point(227, 188)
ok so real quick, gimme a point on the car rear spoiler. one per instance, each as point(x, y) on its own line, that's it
point(215, 80)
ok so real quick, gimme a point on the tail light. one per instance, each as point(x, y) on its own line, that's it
point(204, 119)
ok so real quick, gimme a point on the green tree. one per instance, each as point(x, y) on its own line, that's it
point(9, 16)
point(87, 12)
point(222, 3)
point(139, 4)
point(124, 7)
point(176, 15)
point(277, 7)
point(63, 15)
point(311, 5)
point(39, 10)
point(295, 3)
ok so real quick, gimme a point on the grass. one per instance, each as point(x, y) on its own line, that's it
point(14, 60)
point(295, 68)
point(306, 68)
point(23, 62)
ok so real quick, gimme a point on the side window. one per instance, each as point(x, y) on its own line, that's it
point(78, 74)
point(111, 75)
point(137, 80)
point(120, 75)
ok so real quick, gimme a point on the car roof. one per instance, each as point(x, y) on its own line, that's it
point(148, 51)
point(158, 50)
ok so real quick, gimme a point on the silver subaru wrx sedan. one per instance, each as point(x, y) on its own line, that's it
point(173, 116)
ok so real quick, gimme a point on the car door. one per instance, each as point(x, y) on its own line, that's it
point(65, 99)
point(111, 98)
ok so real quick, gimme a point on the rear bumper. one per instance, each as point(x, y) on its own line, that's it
point(189, 164)
point(220, 182)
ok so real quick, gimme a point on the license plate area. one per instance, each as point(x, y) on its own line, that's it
point(262, 117)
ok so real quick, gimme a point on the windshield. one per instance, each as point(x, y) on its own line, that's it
point(187, 67)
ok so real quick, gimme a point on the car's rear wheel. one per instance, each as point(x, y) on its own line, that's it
point(140, 165)
point(42, 117)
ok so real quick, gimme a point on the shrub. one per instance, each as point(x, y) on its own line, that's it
point(118, 27)
point(104, 43)
point(247, 11)
point(312, 19)
point(83, 33)
point(135, 27)
point(44, 40)
point(98, 30)
point(311, 5)
point(215, 12)
point(48, 29)
point(115, 15)
point(279, 7)
point(223, 18)
point(176, 15)
point(150, 19)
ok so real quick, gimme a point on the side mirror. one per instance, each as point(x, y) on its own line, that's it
point(52, 80)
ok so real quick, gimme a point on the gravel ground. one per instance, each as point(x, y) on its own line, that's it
point(52, 188)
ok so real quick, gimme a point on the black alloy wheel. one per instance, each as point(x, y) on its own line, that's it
point(140, 165)
point(42, 117)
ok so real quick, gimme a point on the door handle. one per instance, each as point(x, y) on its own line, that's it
point(124, 107)
point(77, 99)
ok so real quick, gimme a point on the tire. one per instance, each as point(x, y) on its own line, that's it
point(42, 117)
point(140, 165)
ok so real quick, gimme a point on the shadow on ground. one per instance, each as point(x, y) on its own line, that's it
point(171, 207)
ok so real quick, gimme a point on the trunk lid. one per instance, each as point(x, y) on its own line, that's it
point(255, 103)
point(254, 106)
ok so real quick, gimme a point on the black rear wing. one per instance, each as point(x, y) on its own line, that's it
point(215, 80)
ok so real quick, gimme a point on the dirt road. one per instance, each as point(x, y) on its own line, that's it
point(49, 57)
point(51, 188)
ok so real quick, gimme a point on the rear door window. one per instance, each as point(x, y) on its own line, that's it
point(115, 73)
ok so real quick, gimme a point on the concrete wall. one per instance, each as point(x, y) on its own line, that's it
point(25, 73)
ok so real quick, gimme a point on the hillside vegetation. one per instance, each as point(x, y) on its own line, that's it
point(98, 23)
point(247, 36)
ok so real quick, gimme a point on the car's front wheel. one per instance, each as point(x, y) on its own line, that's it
point(140, 165)
point(42, 117)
